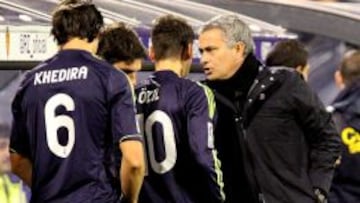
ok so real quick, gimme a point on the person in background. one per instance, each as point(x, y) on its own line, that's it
point(346, 113)
point(12, 189)
point(290, 53)
point(120, 45)
point(276, 142)
point(177, 118)
point(69, 113)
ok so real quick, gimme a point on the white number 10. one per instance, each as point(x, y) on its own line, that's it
point(54, 122)
point(168, 137)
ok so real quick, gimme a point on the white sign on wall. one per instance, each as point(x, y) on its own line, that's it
point(30, 44)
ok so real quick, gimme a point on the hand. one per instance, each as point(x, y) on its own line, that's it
point(320, 196)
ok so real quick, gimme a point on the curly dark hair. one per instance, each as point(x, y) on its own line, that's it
point(290, 53)
point(171, 37)
point(119, 42)
point(76, 18)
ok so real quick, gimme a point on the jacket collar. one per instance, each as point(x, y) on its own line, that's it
point(241, 80)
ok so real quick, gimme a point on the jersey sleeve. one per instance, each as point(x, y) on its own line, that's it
point(19, 140)
point(200, 110)
point(122, 106)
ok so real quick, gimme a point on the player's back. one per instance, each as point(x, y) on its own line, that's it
point(165, 107)
point(66, 105)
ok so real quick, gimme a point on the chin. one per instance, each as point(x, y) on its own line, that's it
point(212, 76)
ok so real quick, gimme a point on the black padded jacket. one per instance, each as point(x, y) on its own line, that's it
point(275, 139)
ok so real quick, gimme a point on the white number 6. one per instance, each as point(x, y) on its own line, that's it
point(53, 123)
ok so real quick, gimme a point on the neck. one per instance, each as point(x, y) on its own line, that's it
point(79, 44)
point(133, 78)
point(173, 65)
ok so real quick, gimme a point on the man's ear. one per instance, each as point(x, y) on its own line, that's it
point(304, 71)
point(187, 52)
point(151, 54)
point(240, 48)
point(339, 80)
point(299, 68)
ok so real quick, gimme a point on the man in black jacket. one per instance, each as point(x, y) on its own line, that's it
point(276, 142)
point(346, 108)
point(290, 53)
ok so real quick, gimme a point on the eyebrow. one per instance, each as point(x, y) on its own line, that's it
point(207, 49)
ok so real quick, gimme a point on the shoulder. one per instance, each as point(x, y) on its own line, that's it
point(98, 61)
point(204, 89)
point(290, 73)
point(101, 65)
point(195, 88)
point(288, 77)
point(278, 83)
point(200, 97)
point(198, 92)
point(107, 69)
point(273, 79)
point(28, 76)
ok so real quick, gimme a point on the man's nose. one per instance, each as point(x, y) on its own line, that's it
point(204, 59)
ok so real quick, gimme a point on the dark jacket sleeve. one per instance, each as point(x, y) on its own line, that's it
point(319, 129)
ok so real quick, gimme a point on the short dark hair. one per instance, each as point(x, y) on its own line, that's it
point(170, 37)
point(4, 130)
point(120, 42)
point(76, 18)
point(350, 68)
point(290, 53)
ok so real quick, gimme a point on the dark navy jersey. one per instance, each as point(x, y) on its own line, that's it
point(176, 116)
point(69, 114)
